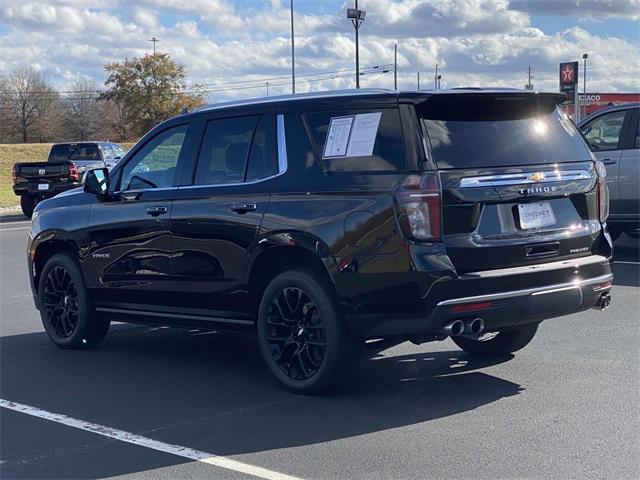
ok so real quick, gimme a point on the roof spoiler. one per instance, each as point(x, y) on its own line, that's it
point(488, 105)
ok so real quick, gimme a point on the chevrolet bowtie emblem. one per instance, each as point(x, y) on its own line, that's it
point(536, 177)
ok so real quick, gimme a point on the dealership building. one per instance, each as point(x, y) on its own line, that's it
point(592, 102)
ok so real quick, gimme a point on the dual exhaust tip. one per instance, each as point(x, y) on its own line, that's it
point(458, 328)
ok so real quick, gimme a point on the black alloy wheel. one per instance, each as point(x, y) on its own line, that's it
point(296, 334)
point(60, 302)
point(303, 337)
point(65, 306)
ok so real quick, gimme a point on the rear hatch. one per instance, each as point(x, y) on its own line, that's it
point(519, 186)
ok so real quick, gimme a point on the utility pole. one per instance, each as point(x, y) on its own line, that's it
point(357, 17)
point(584, 81)
point(293, 57)
point(395, 66)
point(418, 75)
point(154, 40)
point(439, 77)
point(435, 78)
point(531, 77)
point(267, 83)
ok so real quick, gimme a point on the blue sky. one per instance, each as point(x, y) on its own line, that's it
point(234, 47)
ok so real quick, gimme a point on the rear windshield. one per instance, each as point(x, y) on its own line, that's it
point(74, 151)
point(494, 138)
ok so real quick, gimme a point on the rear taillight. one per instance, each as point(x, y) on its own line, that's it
point(14, 173)
point(419, 207)
point(603, 192)
point(74, 173)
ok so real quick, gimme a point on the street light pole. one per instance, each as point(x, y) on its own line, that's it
point(435, 79)
point(357, 17)
point(293, 56)
point(395, 66)
point(584, 82)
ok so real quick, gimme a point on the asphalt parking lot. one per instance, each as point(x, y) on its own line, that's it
point(567, 406)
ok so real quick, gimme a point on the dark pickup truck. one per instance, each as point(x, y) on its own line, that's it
point(35, 181)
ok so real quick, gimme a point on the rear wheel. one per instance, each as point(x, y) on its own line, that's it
point(496, 344)
point(301, 333)
point(65, 308)
point(27, 203)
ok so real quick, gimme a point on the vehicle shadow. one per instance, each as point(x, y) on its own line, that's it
point(626, 267)
point(211, 392)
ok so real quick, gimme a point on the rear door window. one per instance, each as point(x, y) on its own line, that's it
point(496, 135)
point(377, 150)
point(235, 150)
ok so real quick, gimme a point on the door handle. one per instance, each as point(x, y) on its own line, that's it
point(609, 161)
point(155, 211)
point(243, 207)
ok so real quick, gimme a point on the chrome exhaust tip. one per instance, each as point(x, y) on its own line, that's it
point(454, 328)
point(474, 327)
point(604, 301)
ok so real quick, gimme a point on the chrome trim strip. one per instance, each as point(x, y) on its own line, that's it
point(527, 291)
point(283, 165)
point(524, 178)
point(282, 144)
point(146, 313)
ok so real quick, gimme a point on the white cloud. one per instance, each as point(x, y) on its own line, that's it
point(592, 9)
point(475, 42)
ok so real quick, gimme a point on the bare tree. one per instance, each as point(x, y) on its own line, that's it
point(83, 115)
point(29, 105)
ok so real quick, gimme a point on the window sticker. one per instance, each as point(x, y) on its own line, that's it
point(353, 136)
point(338, 137)
point(363, 135)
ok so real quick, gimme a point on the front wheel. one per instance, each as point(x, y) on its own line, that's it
point(302, 337)
point(65, 308)
point(497, 344)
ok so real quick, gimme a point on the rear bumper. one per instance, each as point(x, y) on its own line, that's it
point(503, 298)
point(53, 190)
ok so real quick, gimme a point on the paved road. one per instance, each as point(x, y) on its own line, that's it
point(565, 407)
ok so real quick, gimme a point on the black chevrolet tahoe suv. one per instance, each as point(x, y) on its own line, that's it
point(328, 223)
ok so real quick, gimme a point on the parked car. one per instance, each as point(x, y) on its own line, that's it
point(329, 223)
point(34, 181)
point(613, 134)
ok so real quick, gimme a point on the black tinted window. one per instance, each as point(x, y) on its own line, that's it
point(388, 147)
point(224, 150)
point(74, 151)
point(536, 137)
point(262, 158)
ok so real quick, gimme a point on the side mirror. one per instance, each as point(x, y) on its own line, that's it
point(96, 181)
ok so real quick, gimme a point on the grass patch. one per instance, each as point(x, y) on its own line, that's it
point(22, 152)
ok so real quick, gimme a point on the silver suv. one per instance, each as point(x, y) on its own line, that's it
point(613, 135)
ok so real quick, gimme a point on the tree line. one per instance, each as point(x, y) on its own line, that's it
point(137, 94)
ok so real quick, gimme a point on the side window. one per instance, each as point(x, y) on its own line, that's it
point(230, 143)
point(262, 158)
point(603, 132)
point(371, 150)
point(636, 138)
point(155, 164)
point(107, 152)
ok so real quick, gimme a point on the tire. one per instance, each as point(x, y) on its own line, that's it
point(27, 203)
point(615, 231)
point(504, 343)
point(65, 307)
point(302, 336)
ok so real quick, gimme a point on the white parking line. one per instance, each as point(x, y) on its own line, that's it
point(626, 262)
point(15, 228)
point(141, 441)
